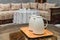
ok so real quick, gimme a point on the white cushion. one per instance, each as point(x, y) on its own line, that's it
point(25, 5)
point(15, 6)
point(4, 7)
point(33, 5)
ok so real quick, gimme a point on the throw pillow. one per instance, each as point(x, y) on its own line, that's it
point(33, 5)
point(15, 6)
point(4, 7)
point(25, 5)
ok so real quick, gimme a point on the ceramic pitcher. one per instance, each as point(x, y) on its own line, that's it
point(37, 25)
point(31, 22)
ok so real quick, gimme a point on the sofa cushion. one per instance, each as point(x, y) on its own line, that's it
point(42, 13)
point(33, 5)
point(45, 14)
point(4, 7)
point(25, 5)
point(6, 15)
point(41, 6)
point(50, 5)
point(15, 6)
point(1, 16)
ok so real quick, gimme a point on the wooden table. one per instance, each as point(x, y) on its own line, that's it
point(31, 36)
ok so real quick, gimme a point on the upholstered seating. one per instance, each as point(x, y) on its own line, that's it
point(46, 9)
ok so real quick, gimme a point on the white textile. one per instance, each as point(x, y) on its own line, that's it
point(22, 16)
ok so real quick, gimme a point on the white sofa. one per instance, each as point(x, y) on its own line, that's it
point(46, 10)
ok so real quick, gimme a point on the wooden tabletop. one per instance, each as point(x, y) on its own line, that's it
point(30, 34)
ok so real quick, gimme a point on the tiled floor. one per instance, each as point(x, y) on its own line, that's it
point(4, 32)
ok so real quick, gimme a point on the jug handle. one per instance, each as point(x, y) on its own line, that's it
point(46, 24)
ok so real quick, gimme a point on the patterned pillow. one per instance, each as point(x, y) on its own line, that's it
point(25, 5)
point(15, 6)
point(33, 5)
point(41, 6)
point(4, 7)
point(50, 5)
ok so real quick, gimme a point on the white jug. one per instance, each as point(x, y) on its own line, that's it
point(37, 25)
point(31, 22)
